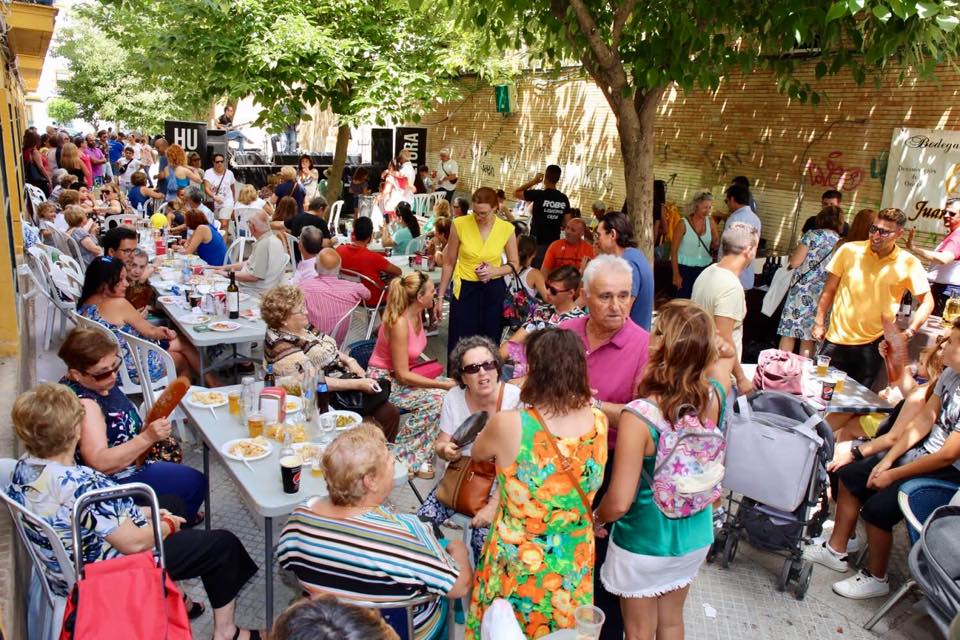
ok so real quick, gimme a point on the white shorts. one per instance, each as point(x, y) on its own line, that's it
point(634, 575)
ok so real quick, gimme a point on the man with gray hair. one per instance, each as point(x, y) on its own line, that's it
point(195, 201)
point(616, 350)
point(264, 269)
point(329, 299)
point(311, 242)
point(719, 290)
point(447, 175)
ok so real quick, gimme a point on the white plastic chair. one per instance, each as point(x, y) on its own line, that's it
point(35, 197)
point(64, 242)
point(417, 244)
point(41, 282)
point(335, 209)
point(340, 330)
point(373, 311)
point(235, 252)
point(292, 245)
point(44, 618)
point(127, 385)
point(121, 220)
point(421, 204)
point(238, 221)
point(141, 350)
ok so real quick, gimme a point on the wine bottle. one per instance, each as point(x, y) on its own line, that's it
point(233, 297)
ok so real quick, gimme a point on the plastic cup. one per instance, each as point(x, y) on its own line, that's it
point(290, 469)
point(828, 389)
point(233, 399)
point(589, 620)
point(823, 363)
point(840, 379)
point(328, 427)
point(316, 468)
point(255, 424)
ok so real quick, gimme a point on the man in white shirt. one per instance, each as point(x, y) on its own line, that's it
point(311, 242)
point(264, 269)
point(719, 291)
point(738, 201)
point(447, 175)
point(130, 166)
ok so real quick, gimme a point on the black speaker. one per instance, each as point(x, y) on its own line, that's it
point(381, 146)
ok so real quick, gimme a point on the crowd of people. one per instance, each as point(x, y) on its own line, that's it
point(551, 331)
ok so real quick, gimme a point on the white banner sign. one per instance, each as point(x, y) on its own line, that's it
point(923, 171)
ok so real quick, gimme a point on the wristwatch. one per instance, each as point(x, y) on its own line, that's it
point(856, 453)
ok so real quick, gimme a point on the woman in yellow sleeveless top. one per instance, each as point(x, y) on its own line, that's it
point(473, 261)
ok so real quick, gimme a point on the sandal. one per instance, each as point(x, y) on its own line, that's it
point(254, 634)
point(196, 609)
point(426, 471)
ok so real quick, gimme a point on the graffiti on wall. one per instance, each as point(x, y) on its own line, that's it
point(831, 173)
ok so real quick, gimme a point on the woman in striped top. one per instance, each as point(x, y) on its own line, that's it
point(352, 546)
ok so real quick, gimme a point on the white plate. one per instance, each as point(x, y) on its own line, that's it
point(298, 446)
point(225, 450)
point(189, 399)
point(294, 404)
point(357, 418)
point(170, 299)
point(192, 318)
point(250, 314)
point(224, 326)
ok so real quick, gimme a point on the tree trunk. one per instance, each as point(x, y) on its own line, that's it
point(335, 181)
point(635, 125)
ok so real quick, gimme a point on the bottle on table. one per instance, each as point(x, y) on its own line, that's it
point(269, 379)
point(248, 396)
point(233, 297)
point(323, 395)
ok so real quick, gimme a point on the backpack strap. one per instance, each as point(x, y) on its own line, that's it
point(650, 414)
point(721, 398)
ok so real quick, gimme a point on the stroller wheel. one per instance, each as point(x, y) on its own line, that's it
point(715, 548)
point(803, 581)
point(784, 578)
point(730, 549)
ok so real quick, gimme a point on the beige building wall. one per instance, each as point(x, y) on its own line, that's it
point(791, 152)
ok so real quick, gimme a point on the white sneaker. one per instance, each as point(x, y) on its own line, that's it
point(823, 556)
point(861, 586)
point(853, 545)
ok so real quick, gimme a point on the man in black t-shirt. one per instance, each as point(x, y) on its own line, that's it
point(314, 217)
point(225, 122)
point(549, 205)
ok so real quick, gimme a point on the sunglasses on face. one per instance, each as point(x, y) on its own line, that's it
point(880, 231)
point(489, 365)
point(100, 377)
point(951, 214)
point(218, 162)
point(554, 291)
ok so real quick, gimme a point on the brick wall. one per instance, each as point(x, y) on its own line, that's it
point(703, 139)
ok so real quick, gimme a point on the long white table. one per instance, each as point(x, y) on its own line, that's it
point(855, 398)
point(259, 483)
point(404, 263)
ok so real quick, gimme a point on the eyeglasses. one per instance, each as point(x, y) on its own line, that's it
point(555, 292)
point(218, 162)
point(489, 365)
point(100, 377)
point(951, 214)
point(880, 231)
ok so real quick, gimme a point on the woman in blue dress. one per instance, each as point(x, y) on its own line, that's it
point(809, 263)
point(205, 241)
point(102, 300)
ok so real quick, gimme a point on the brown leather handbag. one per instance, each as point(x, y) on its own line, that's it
point(465, 486)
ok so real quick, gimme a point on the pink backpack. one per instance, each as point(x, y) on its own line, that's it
point(689, 466)
point(780, 371)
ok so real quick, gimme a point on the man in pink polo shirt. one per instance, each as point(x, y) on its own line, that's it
point(328, 297)
point(616, 355)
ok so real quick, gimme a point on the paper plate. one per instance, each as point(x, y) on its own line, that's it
point(294, 404)
point(342, 425)
point(222, 401)
point(263, 442)
point(224, 326)
point(170, 299)
point(191, 318)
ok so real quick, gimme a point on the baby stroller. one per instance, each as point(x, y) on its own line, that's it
point(778, 448)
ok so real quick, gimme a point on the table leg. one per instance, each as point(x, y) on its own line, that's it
point(202, 351)
point(268, 567)
point(206, 497)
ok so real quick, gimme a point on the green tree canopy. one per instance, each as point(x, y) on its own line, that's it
point(634, 49)
point(61, 110)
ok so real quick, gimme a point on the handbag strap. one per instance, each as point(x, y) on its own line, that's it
point(813, 268)
point(564, 461)
point(699, 237)
point(503, 386)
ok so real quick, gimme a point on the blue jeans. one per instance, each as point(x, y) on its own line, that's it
point(924, 496)
point(238, 136)
point(180, 480)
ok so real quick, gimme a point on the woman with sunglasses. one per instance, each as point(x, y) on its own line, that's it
point(113, 436)
point(110, 204)
point(401, 341)
point(475, 366)
point(563, 289)
point(472, 261)
point(945, 275)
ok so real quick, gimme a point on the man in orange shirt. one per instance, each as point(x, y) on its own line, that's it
point(570, 250)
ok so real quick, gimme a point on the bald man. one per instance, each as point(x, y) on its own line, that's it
point(330, 299)
point(570, 250)
point(311, 242)
point(264, 269)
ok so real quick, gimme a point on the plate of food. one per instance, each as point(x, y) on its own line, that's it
point(200, 397)
point(345, 419)
point(309, 451)
point(195, 318)
point(294, 404)
point(278, 431)
point(224, 326)
point(247, 449)
point(251, 313)
point(170, 299)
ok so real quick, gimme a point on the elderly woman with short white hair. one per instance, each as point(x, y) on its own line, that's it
point(350, 544)
point(290, 187)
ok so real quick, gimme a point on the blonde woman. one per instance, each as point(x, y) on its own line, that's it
point(70, 160)
point(400, 343)
point(692, 243)
point(440, 210)
point(250, 197)
point(79, 230)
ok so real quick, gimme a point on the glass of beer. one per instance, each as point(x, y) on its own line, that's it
point(840, 378)
point(316, 469)
point(823, 363)
point(255, 424)
point(233, 398)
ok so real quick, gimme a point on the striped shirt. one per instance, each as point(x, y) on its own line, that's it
point(329, 299)
point(378, 556)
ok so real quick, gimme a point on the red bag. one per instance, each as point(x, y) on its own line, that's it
point(125, 597)
point(780, 371)
point(428, 369)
